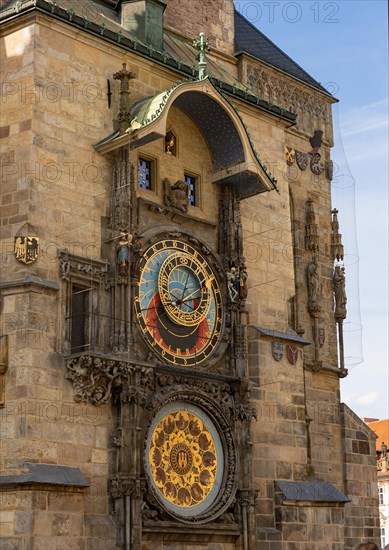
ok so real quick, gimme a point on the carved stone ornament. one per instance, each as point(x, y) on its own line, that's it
point(247, 498)
point(245, 411)
point(123, 197)
point(95, 378)
point(302, 160)
point(122, 485)
point(321, 336)
point(176, 195)
point(281, 91)
point(230, 229)
point(311, 229)
point(337, 249)
point(292, 354)
point(125, 77)
point(26, 249)
point(329, 169)
point(72, 264)
point(290, 156)
point(240, 340)
point(317, 165)
point(220, 392)
point(278, 351)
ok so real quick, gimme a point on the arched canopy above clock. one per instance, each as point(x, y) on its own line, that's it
point(235, 160)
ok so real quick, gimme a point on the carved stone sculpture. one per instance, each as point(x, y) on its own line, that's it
point(232, 284)
point(311, 229)
point(339, 281)
point(125, 77)
point(123, 251)
point(280, 91)
point(95, 378)
point(177, 195)
point(314, 287)
point(243, 290)
point(337, 249)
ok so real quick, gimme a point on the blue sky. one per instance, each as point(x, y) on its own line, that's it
point(343, 45)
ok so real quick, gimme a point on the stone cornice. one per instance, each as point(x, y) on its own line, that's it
point(30, 280)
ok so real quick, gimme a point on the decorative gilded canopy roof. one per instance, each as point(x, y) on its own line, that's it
point(235, 160)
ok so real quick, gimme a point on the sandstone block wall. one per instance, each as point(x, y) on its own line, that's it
point(55, 109)
point(214, 17)
point(360, 474)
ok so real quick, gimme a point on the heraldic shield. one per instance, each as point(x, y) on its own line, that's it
point(26, 249)
point(292, 354)
point(278, 351)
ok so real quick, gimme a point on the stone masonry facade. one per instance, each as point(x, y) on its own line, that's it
point(83, 417)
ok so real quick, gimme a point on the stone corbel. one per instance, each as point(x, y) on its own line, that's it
point(245, 411)
point(94, 379)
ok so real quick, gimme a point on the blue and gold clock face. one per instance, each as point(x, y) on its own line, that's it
point(178, 303)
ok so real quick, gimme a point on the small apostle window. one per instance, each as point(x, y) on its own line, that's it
point(191, 181)
point(145, 173)
point(171, 144)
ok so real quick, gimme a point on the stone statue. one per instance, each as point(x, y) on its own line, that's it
point(123, 249)
point(314, 286)
point(335, 222)
point(64, 265)
point(177, 195)
point(232, 284)
point(339, 281)
point(243, 291)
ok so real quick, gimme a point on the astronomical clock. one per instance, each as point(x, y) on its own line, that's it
point(180, 308)
point(179, 303)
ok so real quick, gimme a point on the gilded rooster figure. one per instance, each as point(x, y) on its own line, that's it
point(170, 143)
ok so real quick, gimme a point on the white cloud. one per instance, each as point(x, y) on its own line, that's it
point(365, 119)
point(368, 398)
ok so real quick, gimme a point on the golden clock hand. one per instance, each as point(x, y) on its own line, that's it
point(189, 295)
point(188, 305)
point(186, 282)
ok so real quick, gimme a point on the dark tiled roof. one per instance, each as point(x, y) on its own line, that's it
point(250, 40)
point(47, 474)
point(311, 491)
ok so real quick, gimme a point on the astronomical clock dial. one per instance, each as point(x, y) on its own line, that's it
point(184, 459)
point(178, 303)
